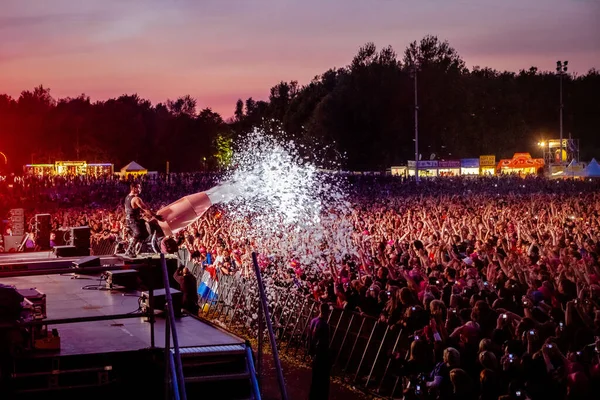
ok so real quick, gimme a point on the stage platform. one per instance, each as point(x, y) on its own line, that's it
point(114, 356)
point(86, 296)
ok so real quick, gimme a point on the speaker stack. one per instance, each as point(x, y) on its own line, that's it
point(17, 227)
point(42, 230)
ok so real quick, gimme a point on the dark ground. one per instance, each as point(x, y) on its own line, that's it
point(298, 377)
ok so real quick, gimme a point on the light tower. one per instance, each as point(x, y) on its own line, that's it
point(561, 70)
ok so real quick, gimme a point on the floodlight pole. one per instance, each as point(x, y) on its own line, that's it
point(561, 69)
point(414, 70)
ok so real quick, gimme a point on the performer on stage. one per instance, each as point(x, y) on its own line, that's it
point(135, 210)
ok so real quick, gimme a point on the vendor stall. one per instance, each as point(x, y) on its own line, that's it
point(39, 169)
point(97, 170)
point(399, 170)
point(449, 168)
point(469, 166)
point(70, 167)
point(487, 165)
point(427, 168)
point(521, 164)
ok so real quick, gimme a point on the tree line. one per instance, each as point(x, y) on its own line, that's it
point(361, 114)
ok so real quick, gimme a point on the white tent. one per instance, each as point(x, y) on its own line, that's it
point(592, 170)
point(573, 170)
point(133, 168)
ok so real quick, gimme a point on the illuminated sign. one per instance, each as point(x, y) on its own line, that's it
point(487, 161)
point(424, 163)
point(449, 164)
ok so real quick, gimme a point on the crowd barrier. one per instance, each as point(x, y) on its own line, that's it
point(361, 347)
point(103, 246)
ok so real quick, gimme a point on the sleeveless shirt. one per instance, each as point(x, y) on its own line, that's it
point(131, 214)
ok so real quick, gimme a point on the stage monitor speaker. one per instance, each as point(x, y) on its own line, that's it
point(65, 251)
point(160, 301)
point(87, 262)
point(80, 237)
point(126, 278)
point(42, 230)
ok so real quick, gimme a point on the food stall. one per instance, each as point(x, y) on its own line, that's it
point(39, 169)
point(521, 164)
point(399, 170)
point(449, 168)
point(427, 168)
point(487, 165)
point(469, 166)
point(103, 169)
point(70, 167)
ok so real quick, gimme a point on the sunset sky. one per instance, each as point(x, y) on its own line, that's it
point(221, 50)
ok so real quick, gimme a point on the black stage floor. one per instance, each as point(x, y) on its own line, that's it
point(67, 298)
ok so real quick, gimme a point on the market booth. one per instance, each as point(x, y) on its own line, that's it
point(521, 164)
point(449, 168)
point(399, 170)
point(469, 166)
point(427, 168)
point(70, 167)
point(487, 165)
point(39, 169)
point(97, 170)
point(134, 169)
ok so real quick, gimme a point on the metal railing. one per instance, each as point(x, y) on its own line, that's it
point(360, 345)
point(253, 375)
point(177, 369)
point(265, 315)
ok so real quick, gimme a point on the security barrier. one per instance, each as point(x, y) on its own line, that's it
point(361, 347)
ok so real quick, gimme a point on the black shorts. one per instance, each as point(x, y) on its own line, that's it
point(138, 230)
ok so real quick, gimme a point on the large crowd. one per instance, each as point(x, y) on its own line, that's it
point(495, 280)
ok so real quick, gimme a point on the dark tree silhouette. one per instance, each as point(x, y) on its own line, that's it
point(363, 111)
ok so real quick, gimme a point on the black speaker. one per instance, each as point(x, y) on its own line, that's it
point(127, 278)
point(87, 262)
point(80, 237)
point(160, 301)
point(65, 251)
point(42, 230)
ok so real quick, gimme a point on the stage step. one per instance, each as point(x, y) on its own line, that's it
point(217, 369)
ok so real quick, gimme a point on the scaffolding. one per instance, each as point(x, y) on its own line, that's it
point(552, 151)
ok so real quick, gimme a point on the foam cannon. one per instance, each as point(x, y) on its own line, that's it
point(187, 210)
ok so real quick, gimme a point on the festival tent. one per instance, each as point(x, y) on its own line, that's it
point(573, 170)
point(592, 170)
point(133, 168)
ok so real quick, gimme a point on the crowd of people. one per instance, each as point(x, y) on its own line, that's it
point(494, 280)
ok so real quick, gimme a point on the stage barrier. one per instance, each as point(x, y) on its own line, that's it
point(361, 347)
